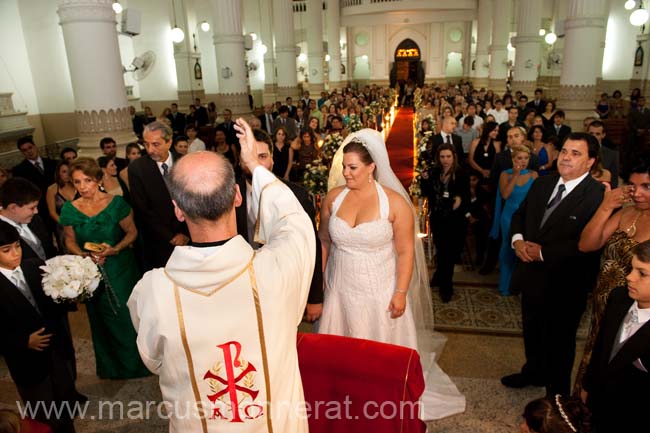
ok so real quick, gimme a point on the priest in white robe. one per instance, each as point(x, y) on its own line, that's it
point(218, 324)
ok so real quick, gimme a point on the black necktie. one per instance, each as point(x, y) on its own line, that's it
point(165, 168)
point(449, 139)
point(557, 198)
point(39, 167)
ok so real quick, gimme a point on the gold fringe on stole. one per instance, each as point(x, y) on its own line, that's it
point(265, 361)
point(190, 363)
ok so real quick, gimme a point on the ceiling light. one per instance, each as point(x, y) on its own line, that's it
point(302, 57)
point(327, 57)
point(205, 26)
point(550, 38)
point(639, 17)
point(177, 35)
point(542, 32)
point(629, 4)
point(117, 7)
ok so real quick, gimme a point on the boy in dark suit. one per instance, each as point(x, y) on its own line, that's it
point(35, 341)
point(617, 380)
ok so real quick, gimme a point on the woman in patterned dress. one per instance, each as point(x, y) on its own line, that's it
point(621, 222)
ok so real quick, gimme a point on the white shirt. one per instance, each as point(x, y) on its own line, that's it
point(27, 234)
point(196, 145)
point(500, 116)
point(444, 137)
point(643, 315)
point(17, 278)
point(478, 122)
point(169, 161)
point(569, 186)
point(40, 162)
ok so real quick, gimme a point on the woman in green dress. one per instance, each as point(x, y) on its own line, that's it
point(107, 220)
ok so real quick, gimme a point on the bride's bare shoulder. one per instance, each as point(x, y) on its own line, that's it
point(395, 199)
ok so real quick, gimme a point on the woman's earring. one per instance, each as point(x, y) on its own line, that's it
point(370, 178)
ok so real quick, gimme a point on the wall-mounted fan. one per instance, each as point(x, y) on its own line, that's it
point(142, 65)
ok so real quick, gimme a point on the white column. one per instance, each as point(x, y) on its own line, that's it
point(483, 39)
point(96, 72)
point(229, 48)
point(266, 33)
point(315, 45)
point(583, 46)
point(285, 49)
point(189, 87)
point(499, 47)
point(333, 23)
point(527, 44)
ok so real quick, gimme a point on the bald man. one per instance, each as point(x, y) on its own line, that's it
point(446, 135)
point(218, 324)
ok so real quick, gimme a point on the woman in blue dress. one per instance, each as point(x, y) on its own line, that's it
point(546, 152)
point(514, 184)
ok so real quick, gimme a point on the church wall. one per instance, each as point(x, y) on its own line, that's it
point(49, 69)
point(159, 88)
point(15, 71)
point(620, 44)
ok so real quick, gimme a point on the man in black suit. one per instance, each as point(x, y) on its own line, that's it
point(39, 171)
point(266, 118)
point(177, 120)
point(503, 160)
point(538, 104)
point(554, 277)
point(558, 130)
point(201, 114)
point(35, 338)
point(138, 121)
point(19, 201)
point(152, 205)
point(293, 113)
point(284, 120)
point(513, 120)
point(228, 128)
point(616, 383)
point(608, 157)
point(246, 220)
point(446, 135)
point(109, 148)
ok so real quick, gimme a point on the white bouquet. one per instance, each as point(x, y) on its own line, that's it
point(70, 278)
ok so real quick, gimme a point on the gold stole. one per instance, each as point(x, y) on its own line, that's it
point(260, 329)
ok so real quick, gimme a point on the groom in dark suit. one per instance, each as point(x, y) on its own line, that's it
point(553, 276)
point(152, 204)
point(617, 381)
point(246, 221)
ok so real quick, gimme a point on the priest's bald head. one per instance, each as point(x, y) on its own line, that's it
point(205, 194)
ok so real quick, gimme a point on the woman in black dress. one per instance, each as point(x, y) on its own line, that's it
point(447, 188)
point(282, 154)
point(483, 150)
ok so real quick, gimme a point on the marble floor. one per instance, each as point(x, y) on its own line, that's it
point(474, 362)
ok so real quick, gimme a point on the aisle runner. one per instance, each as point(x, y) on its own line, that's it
point(400, 146)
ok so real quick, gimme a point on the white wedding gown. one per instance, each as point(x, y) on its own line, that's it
point(360, 280)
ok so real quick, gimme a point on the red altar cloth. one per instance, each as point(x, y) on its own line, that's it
point(358, 386)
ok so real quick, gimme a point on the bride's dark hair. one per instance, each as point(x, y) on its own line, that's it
point(356, 146)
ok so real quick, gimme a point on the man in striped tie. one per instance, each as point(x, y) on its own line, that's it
point(552, 275)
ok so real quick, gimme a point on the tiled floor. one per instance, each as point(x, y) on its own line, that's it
point(475, 363)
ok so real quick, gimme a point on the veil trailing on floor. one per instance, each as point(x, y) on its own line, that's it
point(419, 294)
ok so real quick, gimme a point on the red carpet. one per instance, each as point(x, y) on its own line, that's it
point(400, 146)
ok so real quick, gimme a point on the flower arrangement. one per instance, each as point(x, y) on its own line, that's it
point(417, 98)
point(315, 177)
point(330, 146)
point(70, 278)
point(354, 123)
point(422, 164)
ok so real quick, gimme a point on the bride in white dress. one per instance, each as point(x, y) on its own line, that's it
point(376, 283)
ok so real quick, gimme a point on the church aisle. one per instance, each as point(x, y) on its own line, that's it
point(400, 146)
